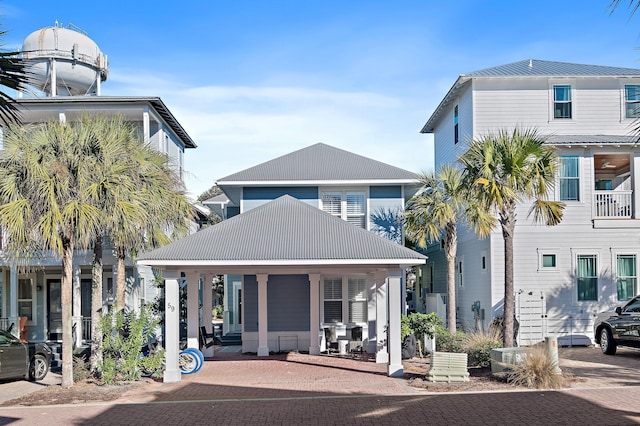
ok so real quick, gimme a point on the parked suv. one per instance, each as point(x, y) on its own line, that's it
point(619, 328)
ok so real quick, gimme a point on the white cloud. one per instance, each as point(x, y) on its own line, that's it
point(239, 127)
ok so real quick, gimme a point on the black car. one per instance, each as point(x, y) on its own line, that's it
point(18, 359)
point(619, 328)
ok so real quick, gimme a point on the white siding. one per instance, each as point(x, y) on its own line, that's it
point(445, 150)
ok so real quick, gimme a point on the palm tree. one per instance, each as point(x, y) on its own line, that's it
point(433, 213)
point(163, 210)
point(44, 205)
point(505, 169)
point(13, 75)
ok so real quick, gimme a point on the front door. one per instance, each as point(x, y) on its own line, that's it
point(237, 307)
point(54, 309)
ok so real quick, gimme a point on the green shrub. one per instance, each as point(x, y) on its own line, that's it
point(81, 369)
point(536, 370)
point(405, 329)
point(217, 311)
point(124, 337)
point(478, 346)
point(447, 342)
point(423, 324)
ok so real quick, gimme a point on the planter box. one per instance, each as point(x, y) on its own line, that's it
point(448, 367)
point(504, 358)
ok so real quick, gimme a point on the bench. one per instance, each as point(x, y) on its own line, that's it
point(448, 367)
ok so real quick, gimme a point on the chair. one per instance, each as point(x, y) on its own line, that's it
point(23, 329)
point(355, 342)
point(204, 336)
point(331, 339)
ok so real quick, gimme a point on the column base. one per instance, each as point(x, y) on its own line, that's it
point(263, 351)
point(208, 352)
point(171, 376)
point(314, 350)
point(382, 357)
point(395, 370)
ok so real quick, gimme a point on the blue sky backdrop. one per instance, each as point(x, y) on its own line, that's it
point(252, 80)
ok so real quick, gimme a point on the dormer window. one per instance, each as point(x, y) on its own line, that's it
point(562, 102)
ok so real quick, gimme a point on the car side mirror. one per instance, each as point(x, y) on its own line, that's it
point(618, 310)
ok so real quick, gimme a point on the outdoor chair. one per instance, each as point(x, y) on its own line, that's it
point(355, 343)
point(206, 339)
point(331, 339)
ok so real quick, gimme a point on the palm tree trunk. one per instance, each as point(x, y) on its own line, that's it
point(451, 248)
point(67, 319)
point(120, 279)
point(508, 222)
point(96, 308)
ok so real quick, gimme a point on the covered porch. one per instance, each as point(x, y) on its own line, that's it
point(286, 251)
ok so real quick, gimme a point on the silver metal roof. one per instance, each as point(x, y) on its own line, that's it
point(319, 163)
point(592, 140)
point(283, 230)
point(536, 67)
point(155, 102)
point(523, 69)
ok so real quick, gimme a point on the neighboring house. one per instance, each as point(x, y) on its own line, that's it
point(311, 241)
point(367, 193)
point(36, 294)
point(563, 275)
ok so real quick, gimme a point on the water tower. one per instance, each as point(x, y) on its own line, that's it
point(64, 61)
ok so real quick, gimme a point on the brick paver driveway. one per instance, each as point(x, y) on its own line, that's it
point(303, 389)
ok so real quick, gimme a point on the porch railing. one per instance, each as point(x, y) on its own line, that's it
point(4, 323)
point(609, 204)
point(86, 329)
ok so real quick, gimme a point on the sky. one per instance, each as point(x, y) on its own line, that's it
point(251, 80)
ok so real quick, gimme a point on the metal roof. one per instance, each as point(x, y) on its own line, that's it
point(155, 102)
point(319, 163)
point(529, 68)
point(535, 67)
point(281, 231)
point(591, 140)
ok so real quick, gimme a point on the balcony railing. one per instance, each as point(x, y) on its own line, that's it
point(610, 204)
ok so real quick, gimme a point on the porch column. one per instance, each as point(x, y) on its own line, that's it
point(193, 283)
point(314, 314)
point(77, 310)
point(382, 344)
point(171, 326)
point(13, 301)
point(635, 175)
point(263, 329)
point(394, 298)
point(372, 335)
point(207, 306)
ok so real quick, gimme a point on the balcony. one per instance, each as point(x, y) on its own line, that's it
point(612, 204)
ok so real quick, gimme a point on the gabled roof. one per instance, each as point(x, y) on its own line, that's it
point(317, 164)
point(284, 231)
point(529, 68)
point(154, 101)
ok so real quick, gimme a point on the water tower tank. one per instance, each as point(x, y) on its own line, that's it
point(64, 61)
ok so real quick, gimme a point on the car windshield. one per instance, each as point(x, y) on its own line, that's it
point(633, 306)
point(6, 337)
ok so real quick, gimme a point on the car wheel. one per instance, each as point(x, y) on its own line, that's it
point(38, 368)
point(607, 344)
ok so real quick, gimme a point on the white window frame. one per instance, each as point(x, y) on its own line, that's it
point(571, 84)
point(547, 252)
point(574, 268)
point(459, 270)
point(360, 298)
point(614, 267)
point(344, 192)
point(345, 299)
point(579, 178)
point(625, 101)
point(34, 297)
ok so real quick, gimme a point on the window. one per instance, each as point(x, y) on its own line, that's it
point(632, 101)
point(627, 277)
point(347, 205)
point(561, 101)
point(548, 260)
point(333, 300)
point(569, 179)
point(25, 298)
point(459, 273)
point(357, 300)
point(455, 125)
point(587, 278)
